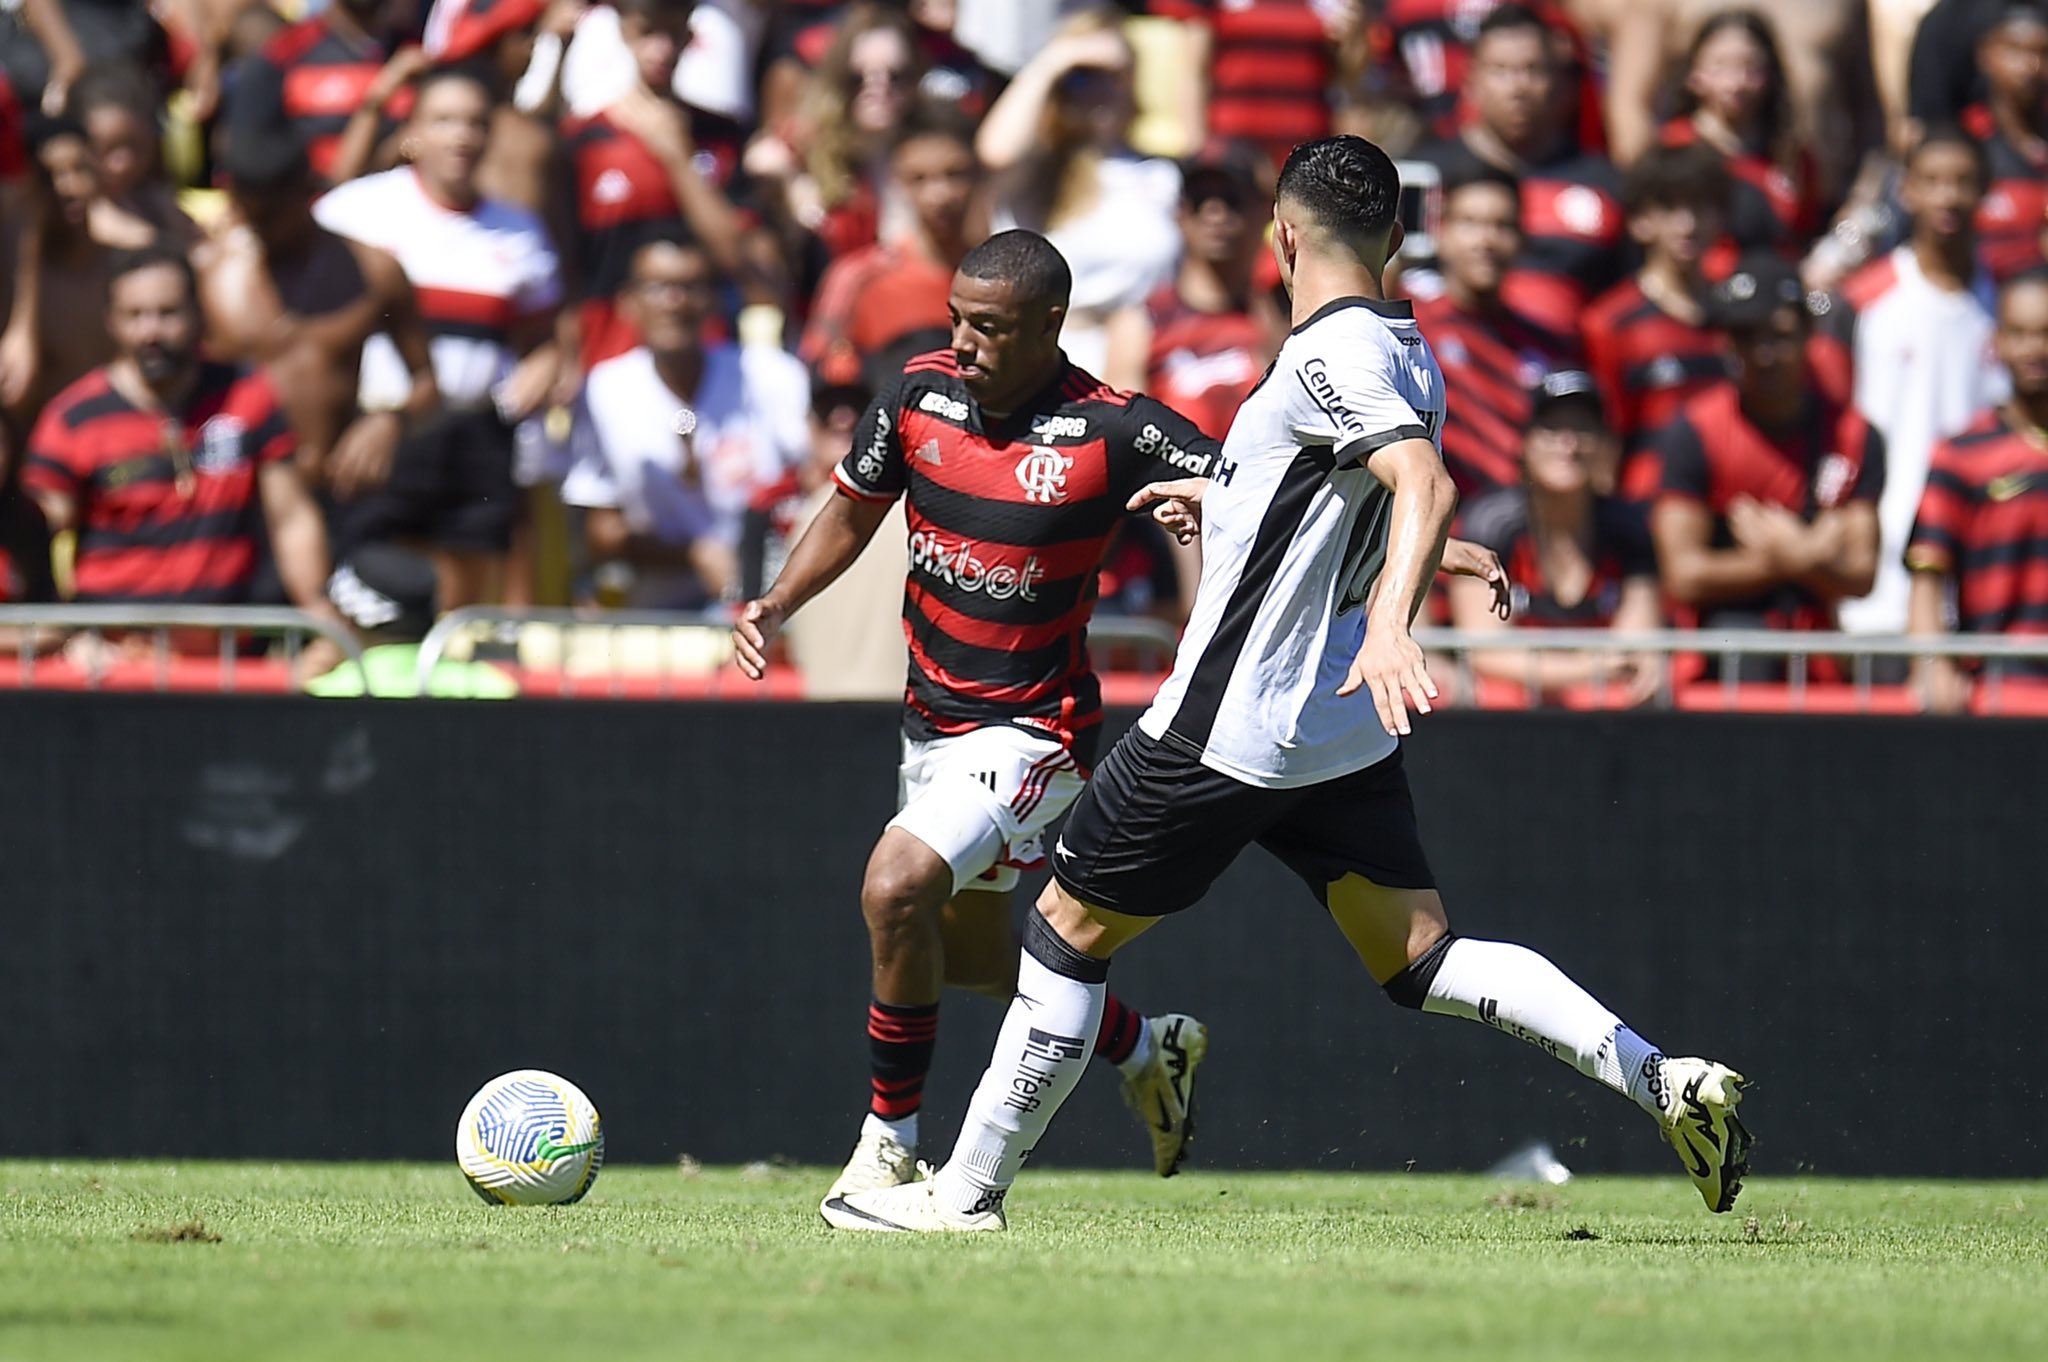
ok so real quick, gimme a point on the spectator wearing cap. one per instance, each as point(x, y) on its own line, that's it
point(1733, 98)
point(2011, 124)
point(313, 77)
point(680, 434)
point(1921, 327)
point(887, 302)
point(630, 174)
point(488, 287)
point(1057, 144)
point(1979, 549)
point(1200, 343)
point(1491, 353)
point(171, 469)
point(1767, 514)
point(1577, 559)
point(1573, 229)
point(1646, 343)
point(386, 594)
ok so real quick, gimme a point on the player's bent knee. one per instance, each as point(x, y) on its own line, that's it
point(904, 883)
point(1410, 987)
point(1044, 944)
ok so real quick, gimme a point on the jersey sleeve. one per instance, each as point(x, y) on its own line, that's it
point(271, 437)
point(873, 469)
point(1157, 444)
point(1682, 460)
point(54, 462)
point(1870, 466)
point(1354, 406)
point(1936, 543)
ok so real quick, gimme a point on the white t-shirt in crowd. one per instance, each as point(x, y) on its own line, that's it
point(752, 425)
point(1294, 535)
point(1924, 369)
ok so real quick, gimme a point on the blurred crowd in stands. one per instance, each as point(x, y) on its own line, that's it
point(1741, 308)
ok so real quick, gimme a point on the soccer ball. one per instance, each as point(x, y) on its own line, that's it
point(530, 1138)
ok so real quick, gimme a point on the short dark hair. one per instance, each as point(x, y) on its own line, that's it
point(652, 7)
point(469, 72)
point(1481, 176)
point(2017, 12)
point(114, 85)
point(1349, 185)
point(1951, 135)
point(934, 118)
point(1692, 176)
point(1025, 259)
point(274, 159)
point(1508, 18)
point(125, 263)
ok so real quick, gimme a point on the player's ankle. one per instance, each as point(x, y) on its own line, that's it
point(901, 1129)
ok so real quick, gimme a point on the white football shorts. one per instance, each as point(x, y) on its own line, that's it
point(983, 800)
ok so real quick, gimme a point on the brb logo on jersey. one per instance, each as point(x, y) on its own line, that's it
point(938, 404)
point(1043, 475)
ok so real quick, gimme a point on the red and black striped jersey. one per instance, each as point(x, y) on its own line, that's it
point(1648, 363)
point(1768, 208)
point(1270, 68)
point(1574, 233)
point(1490, 360)
point(1983, 520)
point(13, 134)
point(623, 199)
point(1427, 44)
point(1009, 521)
point(1620, 550)
point(167, 501)
point(1712, 454)
point(310, 79)
point(1203, 364)
point(2015, 207)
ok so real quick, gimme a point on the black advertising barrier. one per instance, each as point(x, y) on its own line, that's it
point(262, 928)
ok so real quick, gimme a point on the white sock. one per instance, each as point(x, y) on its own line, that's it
point(1040, 1054)
point(902, 1130)
point(1134, 1063)
point(1513, 989)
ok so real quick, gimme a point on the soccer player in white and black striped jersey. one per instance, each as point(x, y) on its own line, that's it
point(1281, 725)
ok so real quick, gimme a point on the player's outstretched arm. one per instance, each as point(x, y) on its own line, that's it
point(1176, 506)
point(1390, 667)
point(835, 538)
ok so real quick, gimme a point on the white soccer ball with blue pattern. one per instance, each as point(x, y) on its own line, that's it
point(530, 1138)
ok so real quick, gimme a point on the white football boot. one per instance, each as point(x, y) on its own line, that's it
point(879, 1160)
point(1163, 1093)
point(912, 1208)
point(1698, 1115)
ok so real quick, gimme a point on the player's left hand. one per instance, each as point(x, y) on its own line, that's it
point(1463, 558)
point(1179, 506)
point(1392, 668)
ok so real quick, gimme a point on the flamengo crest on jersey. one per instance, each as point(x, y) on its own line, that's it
point(1292, 545)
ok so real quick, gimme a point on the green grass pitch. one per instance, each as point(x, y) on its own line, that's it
point(366, 1263)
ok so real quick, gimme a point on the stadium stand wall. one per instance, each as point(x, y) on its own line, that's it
point(268, 928)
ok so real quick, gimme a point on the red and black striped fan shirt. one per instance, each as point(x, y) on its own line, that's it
point(1427, 45)
point(623, 199)
point(1648, 363)
point(1008, 523)
point(1768, 209)
point(167, 501)
point(310, 79)
point(1984, 521)
point(2010, 220)
point(1270, 69)
point(1490, 360)
point(1203, 363)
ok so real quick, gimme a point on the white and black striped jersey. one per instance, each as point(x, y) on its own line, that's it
point(1294, 533)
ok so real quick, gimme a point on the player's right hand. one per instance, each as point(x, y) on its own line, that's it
point(1390, 663)
point(755, 628)
point(1179, 506)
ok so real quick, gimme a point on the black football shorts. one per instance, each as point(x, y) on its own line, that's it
point(1155, 827)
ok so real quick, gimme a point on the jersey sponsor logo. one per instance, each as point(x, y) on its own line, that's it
point(1581, 211)
point(1043, 475)
point(1036, 1070)
point(875, 457)
point(2009, 486)
point(1059, 427)
point(613, 186)
point(938, 404)
point(220, 445)
point(1152, 440)
point(1315, 376)
point(957, 566)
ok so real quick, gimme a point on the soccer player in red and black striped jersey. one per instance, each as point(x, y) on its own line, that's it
point(1646, 342)
point(162, 463)
point(2012, 127)
point(1491, 355)
point(1015, 468)
point(630, 175)
point(1979, 550)
point(1768, 512)
point(1573, 233)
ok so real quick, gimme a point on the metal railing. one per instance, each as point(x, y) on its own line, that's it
point(293, 628)
point(669, 643)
